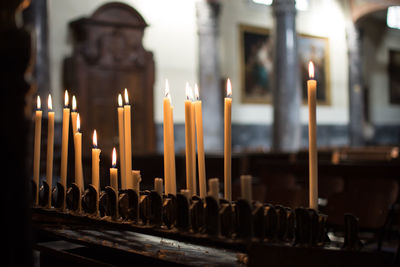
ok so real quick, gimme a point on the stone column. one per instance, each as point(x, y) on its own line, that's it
point(286, 80)
point(356, 94)
point(209, 74)
point(36, 20)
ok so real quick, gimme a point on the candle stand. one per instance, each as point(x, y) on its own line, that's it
point(237, 226)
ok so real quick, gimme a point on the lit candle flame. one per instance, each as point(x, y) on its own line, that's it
point(196, 92)
point(73, 103)
point(114, 157)
point(120, 100)
point(49, 102)
point(66, 98)
point(38, 103)
point(94, 138)
point(189, 92)
point(126, 97)
point(228, 88)
point(78, 123)
point(166, 90)
point(311, 70)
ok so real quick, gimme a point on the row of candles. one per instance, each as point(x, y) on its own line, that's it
point(130, 179)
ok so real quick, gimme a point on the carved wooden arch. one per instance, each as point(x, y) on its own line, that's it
point(108, 56)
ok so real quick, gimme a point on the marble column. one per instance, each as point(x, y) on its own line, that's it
point(36, 20)
point(286, 80)
point(207, 12)
point(15, 59)
point(356, 94)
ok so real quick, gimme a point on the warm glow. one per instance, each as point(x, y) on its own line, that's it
point(78, 122)
point(311, 70)
point(196, 92)
point(73, 103)
point(38, 103)
point(228, 88)
point(189, 92)
point(66, 98)
point(114, 157)
point(49, 103)
point(120, 100)
point(126, 96)
point(94, 138)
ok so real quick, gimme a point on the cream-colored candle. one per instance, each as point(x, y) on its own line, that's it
point(312, 138)
point(121, 140)
point(36, 152)
point(158, 186)
point(64, 143)
point(50, 148)
point(114, 171)
point(246, 188)
point(188, 140)
point(74, 115)
point(166, 132)
point(228, 142)
point(96, 163)
point(213, 187)
point(127, 140)
point(78, 156)
point(136, 179)
point(200, 144)
point(171, 151)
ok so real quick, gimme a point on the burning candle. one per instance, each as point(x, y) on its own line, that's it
point(50, 147)
point(74, 115)
point(200, 143)
point(114, 171)
point(121, 140)
point(95, 164)
point(228, 142)
point(312, 138)
point(78, 155)
point(127, 141)
point(64, 144)
point(190, 171)
point(166, 131)
point(245, 188)
point(36, 153)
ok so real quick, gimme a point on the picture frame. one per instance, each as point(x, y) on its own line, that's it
point(256, 65)
point(316, 49)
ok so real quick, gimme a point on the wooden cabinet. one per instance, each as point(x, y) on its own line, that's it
point(108, 56)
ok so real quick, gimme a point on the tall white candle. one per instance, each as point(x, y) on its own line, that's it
point(36, 153)
point(128, 140)
point(312, 138)
point(166, 133)
point(50, 148)
point(64, 144)
point(228, 142)
point(78, 156)
point(190, 171)
point(121, 133)
point(200, 144)
point(96, 164)
point(171, 150)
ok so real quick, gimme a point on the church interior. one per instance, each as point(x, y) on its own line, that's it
point(201, 132)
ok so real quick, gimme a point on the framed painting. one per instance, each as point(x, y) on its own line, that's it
point(255, 64)
point(316, 49)
point(394, 77)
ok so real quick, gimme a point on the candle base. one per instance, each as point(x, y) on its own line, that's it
point(90, 201)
